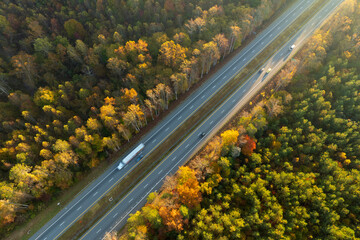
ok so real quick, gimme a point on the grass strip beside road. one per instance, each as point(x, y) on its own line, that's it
point(285, 36)
point(21, 232)
point(142, 169)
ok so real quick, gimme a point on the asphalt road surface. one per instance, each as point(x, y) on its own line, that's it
point(133, 201)
point(117, 216)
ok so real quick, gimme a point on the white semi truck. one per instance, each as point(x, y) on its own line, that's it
point(132, 155)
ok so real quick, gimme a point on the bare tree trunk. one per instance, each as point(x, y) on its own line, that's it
point(209, 65)
point(231, 43)
point(202, 69)
point(151, 113)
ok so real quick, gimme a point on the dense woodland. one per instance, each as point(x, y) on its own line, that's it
point(79, 78)
point(288, 168)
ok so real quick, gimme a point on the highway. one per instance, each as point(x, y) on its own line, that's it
point(117, 216)
point(133, 201)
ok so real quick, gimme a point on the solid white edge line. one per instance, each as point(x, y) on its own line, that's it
point(182, 158)
point(253, 43)
point(72, 206)
point(229, 67)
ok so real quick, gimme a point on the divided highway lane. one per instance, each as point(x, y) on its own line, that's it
point(100, 186)
point(117, 216)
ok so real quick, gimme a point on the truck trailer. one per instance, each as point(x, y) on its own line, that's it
point(131, 156)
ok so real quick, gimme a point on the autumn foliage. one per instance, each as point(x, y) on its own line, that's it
point(292, 171)
point(229, 137)
point(79, 79)
point(172, 218)
point(249, 146)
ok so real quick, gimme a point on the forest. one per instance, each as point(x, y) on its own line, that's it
point(79, 79)
point(286, 167)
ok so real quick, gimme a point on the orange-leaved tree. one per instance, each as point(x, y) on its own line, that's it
point(172, 218)
point(188, 187)
point(249, 146)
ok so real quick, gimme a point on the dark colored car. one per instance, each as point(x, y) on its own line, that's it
point(139, 157)
point(202, 135)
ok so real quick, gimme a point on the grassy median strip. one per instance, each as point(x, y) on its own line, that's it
point(142, 169)
point(51, 210)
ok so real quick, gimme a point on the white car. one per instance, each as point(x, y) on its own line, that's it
point(269, 70)
point(292, 47)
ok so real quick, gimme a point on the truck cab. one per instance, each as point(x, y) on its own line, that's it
point(121, 165)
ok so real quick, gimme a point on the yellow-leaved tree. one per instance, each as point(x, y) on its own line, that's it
point(229, 137)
